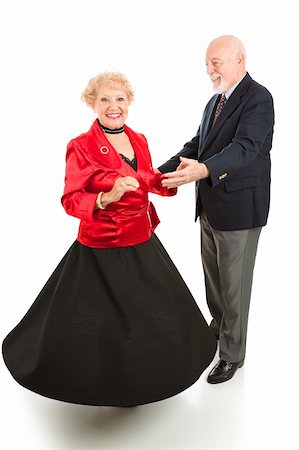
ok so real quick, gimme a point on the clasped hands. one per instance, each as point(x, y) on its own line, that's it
point(189, 170)
point(120, 186)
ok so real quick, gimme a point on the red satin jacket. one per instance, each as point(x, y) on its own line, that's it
point(92, 166)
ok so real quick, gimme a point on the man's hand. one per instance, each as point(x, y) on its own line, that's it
point(189, 170)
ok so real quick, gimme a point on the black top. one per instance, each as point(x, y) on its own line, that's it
point(131, 162)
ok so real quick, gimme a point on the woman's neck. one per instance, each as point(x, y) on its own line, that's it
point(111, 130)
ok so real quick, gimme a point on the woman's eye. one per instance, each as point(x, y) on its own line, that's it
point(120, 99)
point(104, 99)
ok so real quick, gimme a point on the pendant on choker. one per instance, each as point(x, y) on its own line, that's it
point(110, 130)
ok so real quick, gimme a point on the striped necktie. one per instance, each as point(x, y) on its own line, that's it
point(219, 108)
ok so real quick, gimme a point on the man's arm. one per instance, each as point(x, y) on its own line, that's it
point(253, 136)
point(190, 150)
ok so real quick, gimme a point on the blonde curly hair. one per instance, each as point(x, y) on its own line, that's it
point(113, 79)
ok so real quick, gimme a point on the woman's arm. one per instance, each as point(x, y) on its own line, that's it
point(76, 200)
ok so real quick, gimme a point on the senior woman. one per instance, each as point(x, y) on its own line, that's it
point(115, 323)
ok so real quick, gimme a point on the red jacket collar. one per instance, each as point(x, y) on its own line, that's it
point(100, 148)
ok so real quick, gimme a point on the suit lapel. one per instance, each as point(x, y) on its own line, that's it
point(143, 158)
point(101, 149)
point(140, 149)
point(207, 116)
point(104, 152)
point(230, 106)
point(106, 155)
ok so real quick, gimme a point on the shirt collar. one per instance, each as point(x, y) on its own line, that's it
point(229, 93)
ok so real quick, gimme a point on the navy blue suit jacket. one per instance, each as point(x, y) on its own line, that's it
point(236, 150)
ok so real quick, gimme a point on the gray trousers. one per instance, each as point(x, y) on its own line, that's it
point(228, 259)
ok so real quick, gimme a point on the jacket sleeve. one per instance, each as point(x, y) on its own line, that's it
point(76, 199)
point(155, 178)
point(190, 150)
point(157, 188)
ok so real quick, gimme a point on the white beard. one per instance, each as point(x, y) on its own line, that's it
point(221, 88)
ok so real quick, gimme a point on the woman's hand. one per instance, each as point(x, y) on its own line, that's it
point(120, 186)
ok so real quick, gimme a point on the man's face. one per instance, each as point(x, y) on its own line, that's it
point(223, 66)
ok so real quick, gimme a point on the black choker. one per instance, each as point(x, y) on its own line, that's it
point(110, 131)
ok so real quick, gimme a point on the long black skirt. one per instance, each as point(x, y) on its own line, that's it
point(111, 327)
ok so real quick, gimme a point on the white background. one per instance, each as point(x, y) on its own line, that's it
point(49, 50)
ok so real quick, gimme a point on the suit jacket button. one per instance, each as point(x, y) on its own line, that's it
point(222, 176)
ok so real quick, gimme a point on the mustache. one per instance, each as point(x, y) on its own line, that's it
point(214, 76)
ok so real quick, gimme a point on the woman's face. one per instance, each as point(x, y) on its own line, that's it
point(111, 106)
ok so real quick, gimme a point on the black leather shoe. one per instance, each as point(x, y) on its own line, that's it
point(223, 371)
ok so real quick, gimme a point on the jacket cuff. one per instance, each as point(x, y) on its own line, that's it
point(162, 190)
point(217, 173)
point(81, 206)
